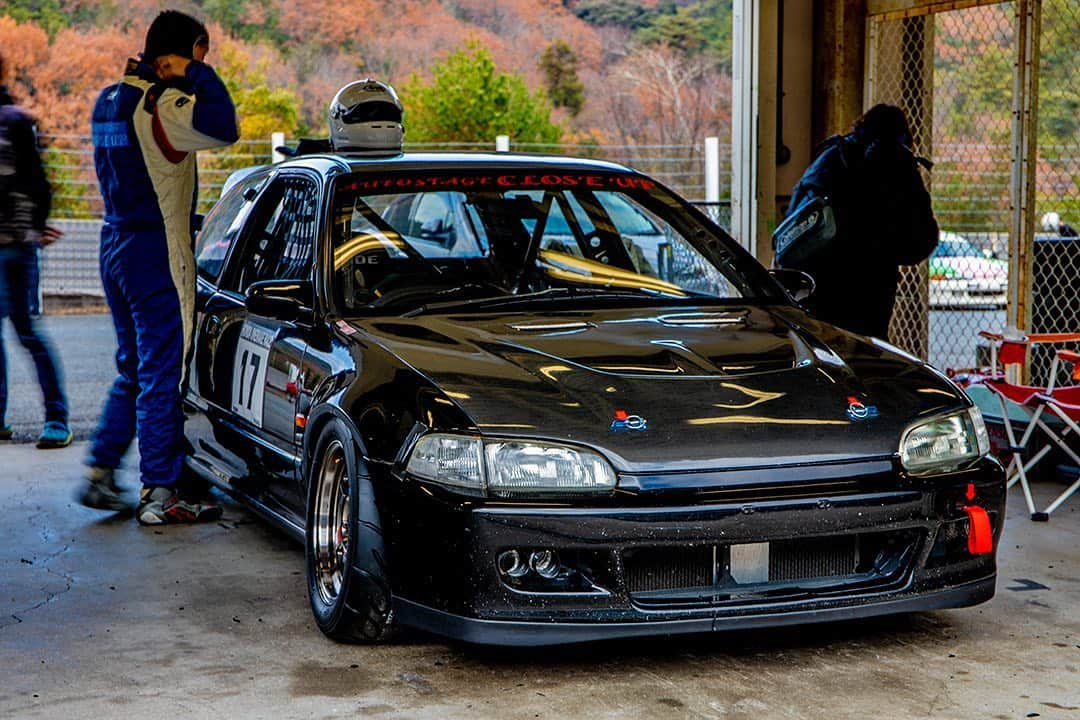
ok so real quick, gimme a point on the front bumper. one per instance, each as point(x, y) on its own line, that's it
point(649, 568)
point(526, 634)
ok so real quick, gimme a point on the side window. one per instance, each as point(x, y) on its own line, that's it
point(282, 243)
point(222, 226)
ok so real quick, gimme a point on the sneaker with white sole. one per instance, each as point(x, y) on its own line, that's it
point(165, 506)
point(101, 491)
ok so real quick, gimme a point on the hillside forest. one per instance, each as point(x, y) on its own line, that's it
point(605, 71)
point(582, 73)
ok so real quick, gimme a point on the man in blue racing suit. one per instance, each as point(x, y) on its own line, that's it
point(146, 129)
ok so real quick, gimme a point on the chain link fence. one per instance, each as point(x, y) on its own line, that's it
point(70, 267)
point(1055, 302)
point(952, 74)
point(70, 162)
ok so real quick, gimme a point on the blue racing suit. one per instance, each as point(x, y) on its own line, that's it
point(145, 134)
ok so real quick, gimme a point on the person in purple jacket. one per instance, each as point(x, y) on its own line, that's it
point(25, 201)
point(146, 130)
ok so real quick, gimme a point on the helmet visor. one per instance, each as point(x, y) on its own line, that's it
point(375, 111)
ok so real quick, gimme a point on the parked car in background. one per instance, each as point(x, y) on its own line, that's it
point(963, 276)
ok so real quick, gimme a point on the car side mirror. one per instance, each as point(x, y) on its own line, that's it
point(287, 300)
point(798, 284)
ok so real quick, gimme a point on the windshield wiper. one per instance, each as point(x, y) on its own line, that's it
point(486, 302)
point(545, 296)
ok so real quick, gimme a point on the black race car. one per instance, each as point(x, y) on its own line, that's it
point(528, 400)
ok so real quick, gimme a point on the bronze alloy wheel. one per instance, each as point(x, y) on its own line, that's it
point(331, 516)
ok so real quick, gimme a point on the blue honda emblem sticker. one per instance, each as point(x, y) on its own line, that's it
point(624, 422)
point(857, 410)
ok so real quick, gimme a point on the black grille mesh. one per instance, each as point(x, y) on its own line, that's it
point(675, 568)
point(650, 569)
point(811, 558)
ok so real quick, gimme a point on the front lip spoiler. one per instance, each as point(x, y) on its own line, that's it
point(530, 634)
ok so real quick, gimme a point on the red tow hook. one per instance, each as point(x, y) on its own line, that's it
point(980, 536)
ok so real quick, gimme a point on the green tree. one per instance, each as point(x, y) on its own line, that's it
point(1059, 88)
point(48, 14)
point(683, 30)
point(467, 100)
point(73, 188)
point(232, 14)
point(262, 110)
point(229, 13)
point(1059, 110)
point(559, 64)
point(627, 13)
point(704, 27)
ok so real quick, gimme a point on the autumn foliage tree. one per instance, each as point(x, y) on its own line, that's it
point(284, 59)
point(467, 100)
point(559, 63)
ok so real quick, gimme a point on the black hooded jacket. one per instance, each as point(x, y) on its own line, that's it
point(25, 195)
point(883, 220)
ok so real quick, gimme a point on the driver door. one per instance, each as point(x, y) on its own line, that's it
point(256, 360)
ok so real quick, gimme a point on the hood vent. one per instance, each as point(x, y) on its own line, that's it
point(561, 327)
point(703, 320)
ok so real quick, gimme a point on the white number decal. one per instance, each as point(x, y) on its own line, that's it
point(249, 373)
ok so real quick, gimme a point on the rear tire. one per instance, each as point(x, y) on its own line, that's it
point(347, 587)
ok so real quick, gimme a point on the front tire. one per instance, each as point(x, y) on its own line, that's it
point(346, 578)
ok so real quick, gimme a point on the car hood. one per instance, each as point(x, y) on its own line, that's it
point(674, 388)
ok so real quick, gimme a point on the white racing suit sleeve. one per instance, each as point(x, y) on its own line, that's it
point(203, 119)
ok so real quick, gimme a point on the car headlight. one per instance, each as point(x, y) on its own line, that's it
point(944, 443)
point(509, 468)
point(448, 460)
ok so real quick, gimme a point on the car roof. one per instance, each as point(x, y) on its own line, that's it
point(454, 160)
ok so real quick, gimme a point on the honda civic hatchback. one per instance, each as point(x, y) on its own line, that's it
point(528, 400)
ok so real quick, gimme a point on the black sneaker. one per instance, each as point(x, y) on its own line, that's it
point(101, 491)
point(165, 506)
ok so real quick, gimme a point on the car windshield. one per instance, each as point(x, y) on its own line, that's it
point(412, 242)
point(956, 246)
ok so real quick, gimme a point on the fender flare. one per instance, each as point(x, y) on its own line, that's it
point(370, 564)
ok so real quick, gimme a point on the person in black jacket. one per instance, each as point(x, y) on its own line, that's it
point(883, 220)
point(25, 200)
point(1052, 223)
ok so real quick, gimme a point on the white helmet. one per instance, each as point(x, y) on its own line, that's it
point(365, 116)
point(1051, 221)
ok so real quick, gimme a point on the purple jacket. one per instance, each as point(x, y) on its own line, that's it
point(25, 195)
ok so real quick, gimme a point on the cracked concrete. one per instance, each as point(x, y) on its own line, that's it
point(101, 618)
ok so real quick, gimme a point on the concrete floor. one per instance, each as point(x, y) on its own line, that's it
point(102, 618)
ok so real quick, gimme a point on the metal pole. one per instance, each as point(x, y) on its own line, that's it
point(1022, 180)
point(712, 169)
point(744, 124)
point(277, 139)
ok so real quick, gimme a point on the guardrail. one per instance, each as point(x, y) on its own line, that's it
point(70, 265)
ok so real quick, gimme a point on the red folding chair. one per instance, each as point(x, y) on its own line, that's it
point(1035, 401)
